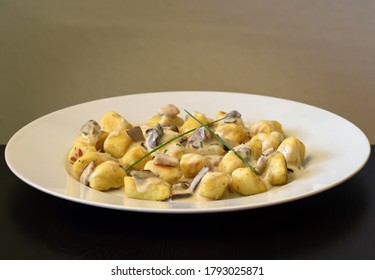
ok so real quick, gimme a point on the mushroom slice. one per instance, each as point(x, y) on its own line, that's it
point(199, 136)
point(169, 110)
point(147, 186)
point(91, 131)
point(243, 151)
point(153, 136)
point(232, 117)
point(193, 185)
point(262, 161)
point(180, 186)
point(143, 179)
point(165, 159)
point(135, 134)
point(84, 178)
point(142, 174)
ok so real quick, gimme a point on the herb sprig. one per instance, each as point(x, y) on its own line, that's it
point(223, 142)
point(127, 170)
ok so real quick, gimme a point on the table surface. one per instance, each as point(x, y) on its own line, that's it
point(336, 224)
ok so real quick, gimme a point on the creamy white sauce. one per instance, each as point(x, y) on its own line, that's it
point(214, 152)
point(143, 184)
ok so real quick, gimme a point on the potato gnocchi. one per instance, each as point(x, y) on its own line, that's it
point(196, 157)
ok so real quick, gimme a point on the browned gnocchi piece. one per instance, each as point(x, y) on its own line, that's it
point(191, 164)
point(213, 185)
point(107, 175)
point(117, 143)
point(113, 121)
point(246, 182)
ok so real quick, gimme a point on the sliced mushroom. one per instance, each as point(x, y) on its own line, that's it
point(232, 117)
point(198, 177)
point(91, 131)
point(199, 136)
point(153, 136)
point(182, 140)
point(268, 152)
point(234, 114)
point(244, 152)
point(85, 175)
point(230, 120)
point(169, 110)
point(262, 161)
point(193, 185)
point(143, 179)
point(165, 159)
point(142, 174)
point(135, 134)
point(180, 186)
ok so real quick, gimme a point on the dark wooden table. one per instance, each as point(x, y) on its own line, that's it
point(336, 224)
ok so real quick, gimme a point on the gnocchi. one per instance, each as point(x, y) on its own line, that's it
point(164, 157)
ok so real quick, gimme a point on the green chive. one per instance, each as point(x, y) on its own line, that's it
point(166, 143)
point(223, 142)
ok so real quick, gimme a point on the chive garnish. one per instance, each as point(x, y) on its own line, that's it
point(223, 142)
point(166, 143)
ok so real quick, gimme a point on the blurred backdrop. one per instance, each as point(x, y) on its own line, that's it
point(57, 53)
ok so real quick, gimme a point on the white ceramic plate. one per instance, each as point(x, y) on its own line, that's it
point(336, 149)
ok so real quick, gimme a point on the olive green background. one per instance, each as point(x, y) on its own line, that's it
point(58, 53)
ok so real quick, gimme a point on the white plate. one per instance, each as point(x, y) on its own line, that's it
point(336, 149)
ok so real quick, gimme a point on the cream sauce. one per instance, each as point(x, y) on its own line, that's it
point(213, 150)
point(143, 184)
